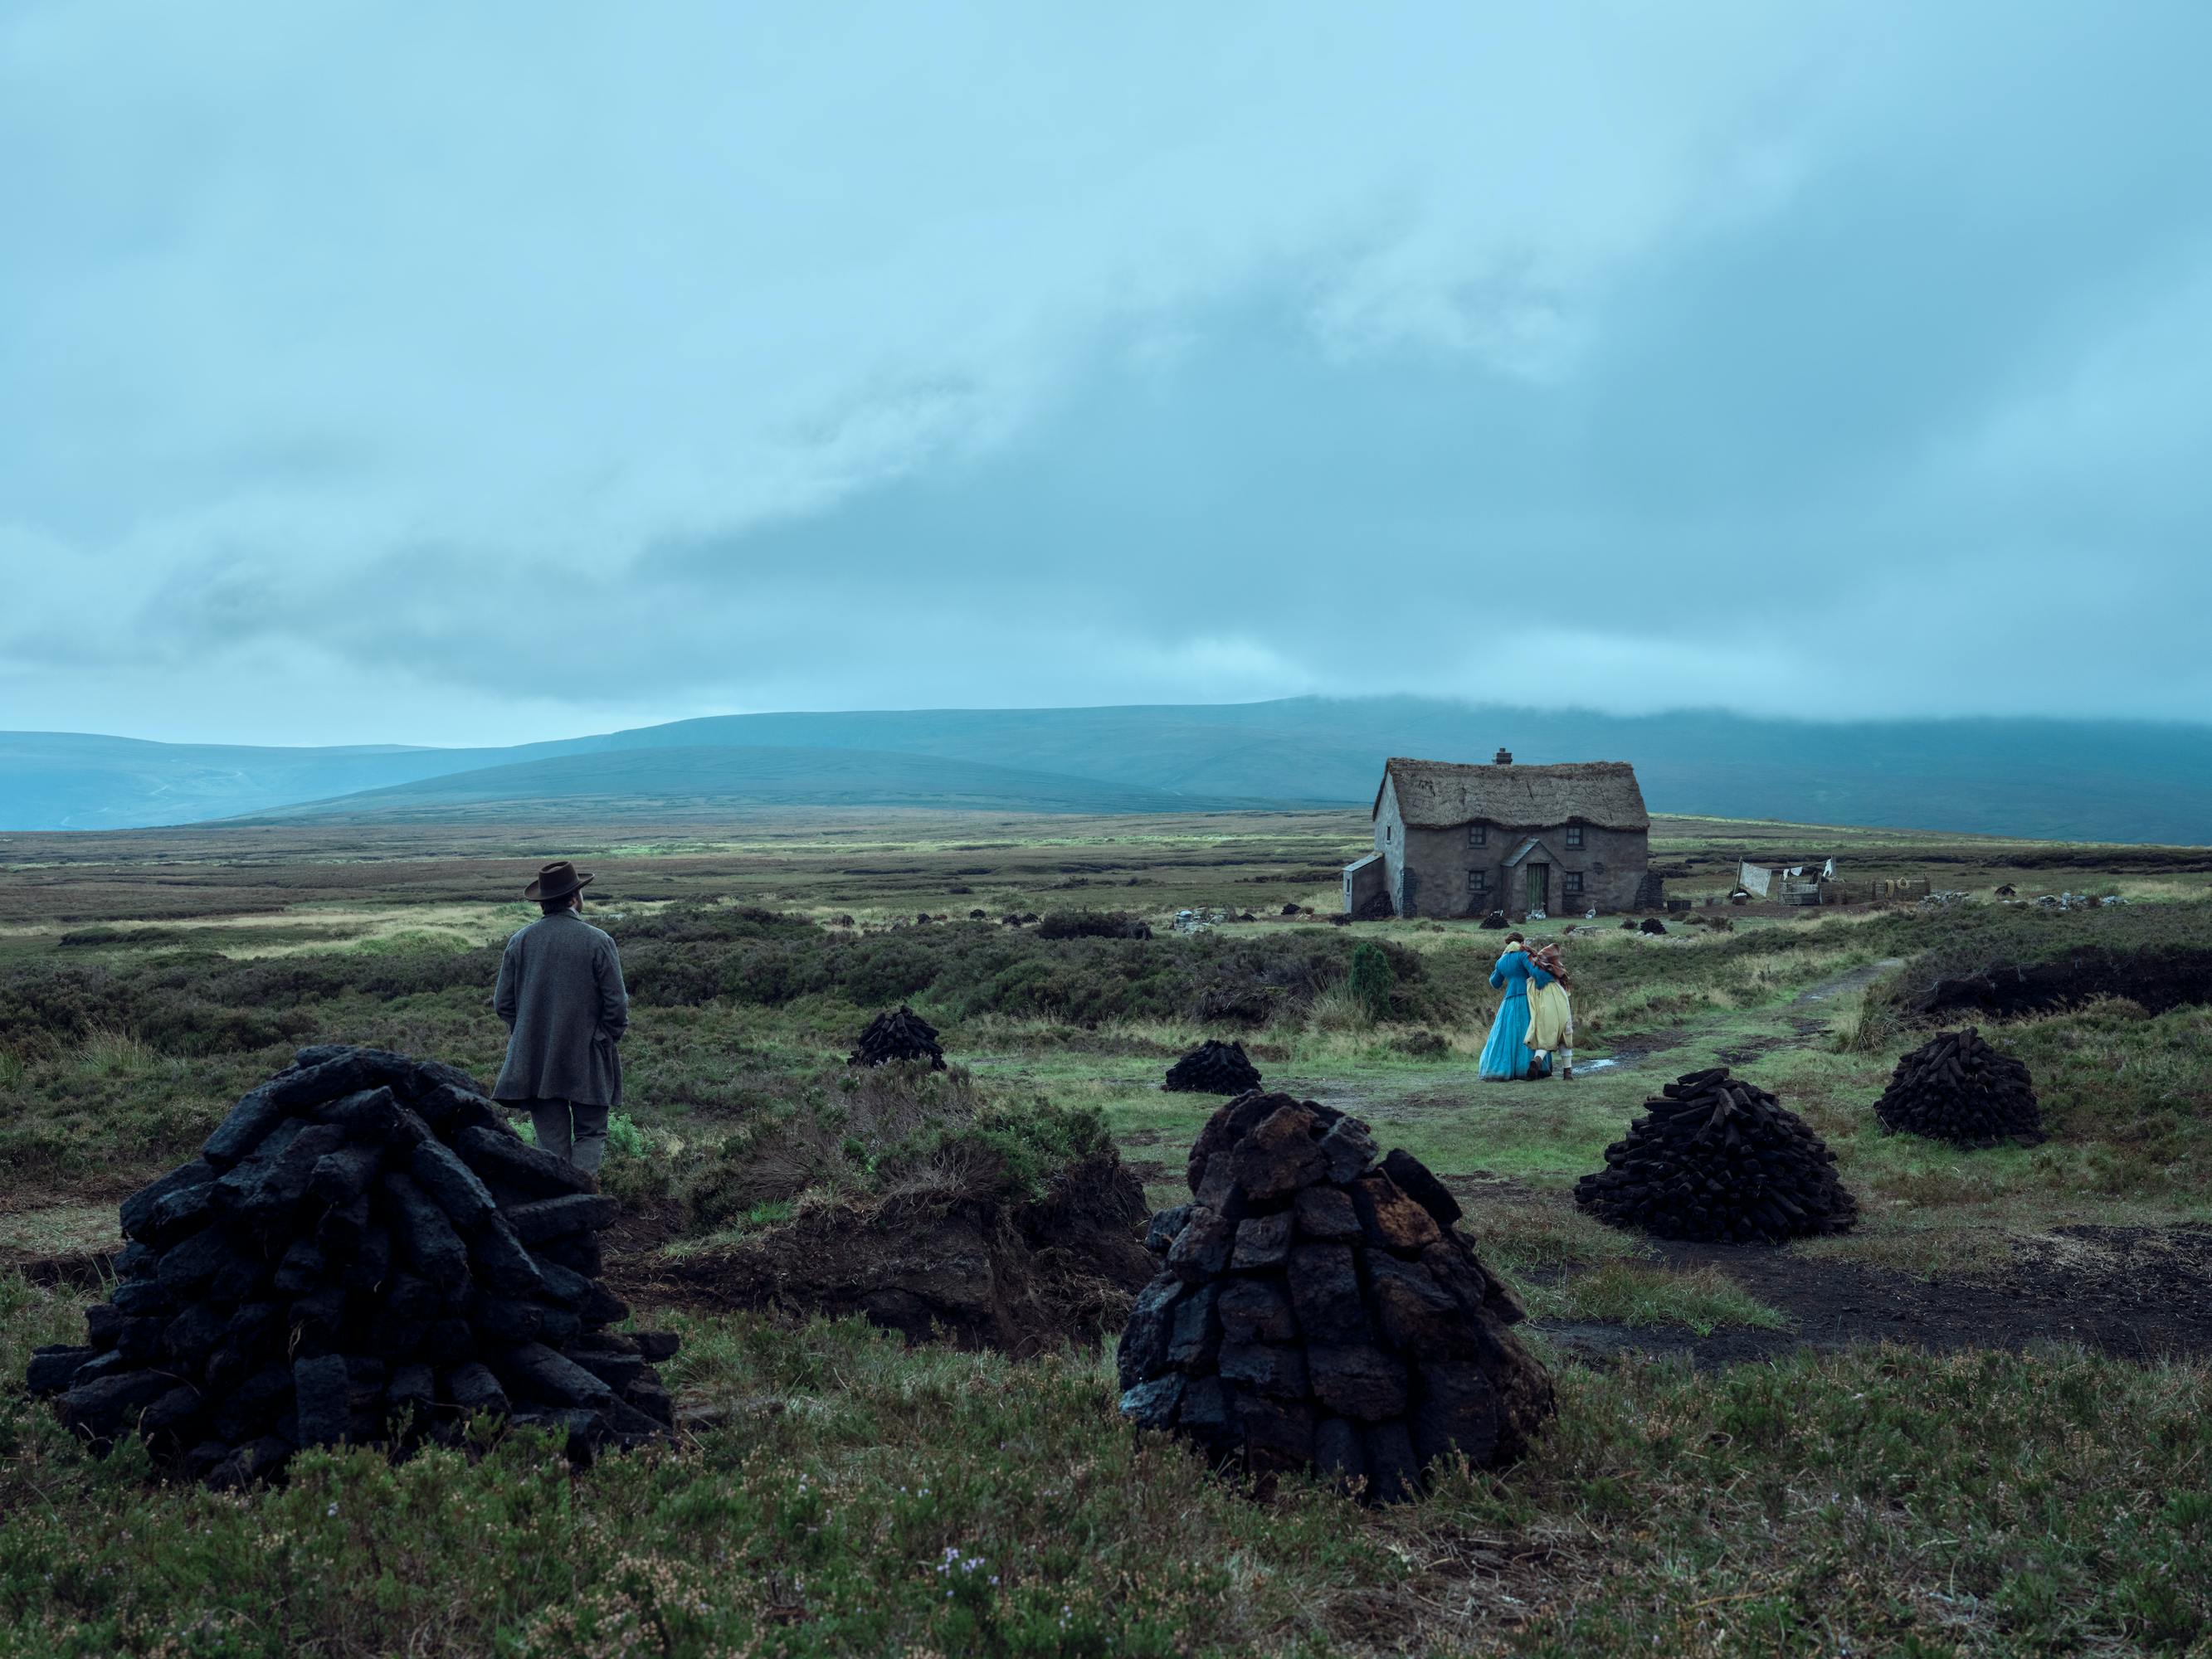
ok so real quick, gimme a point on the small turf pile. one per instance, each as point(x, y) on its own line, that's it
point(1715, 1157)
point(1959, 1089)
point(900, 1034)
point(1213, 1068)
point(1317, 1310)
point(363, 1252)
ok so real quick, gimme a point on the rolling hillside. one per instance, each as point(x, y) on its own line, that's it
point(2066, 780)
point(681, 781)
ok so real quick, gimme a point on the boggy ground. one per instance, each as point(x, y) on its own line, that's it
point(2139, 1293)
point(1949, 1432)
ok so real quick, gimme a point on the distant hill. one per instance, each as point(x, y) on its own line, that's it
point(679, 781)
point(69, 781)
point(2062, 779)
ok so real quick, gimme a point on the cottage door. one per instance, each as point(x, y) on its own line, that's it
point(1539, 887)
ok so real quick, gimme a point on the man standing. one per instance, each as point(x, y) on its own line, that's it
point(560, 995)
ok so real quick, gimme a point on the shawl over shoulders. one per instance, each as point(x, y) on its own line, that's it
point(1515, 970)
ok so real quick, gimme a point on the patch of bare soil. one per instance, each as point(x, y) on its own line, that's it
point(977, 1269)
point(2139, 1293)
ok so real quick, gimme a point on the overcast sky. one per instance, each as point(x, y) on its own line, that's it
point(461, 373)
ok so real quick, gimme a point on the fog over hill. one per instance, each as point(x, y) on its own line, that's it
point(2111, 781)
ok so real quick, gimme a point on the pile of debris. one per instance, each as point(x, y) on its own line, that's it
point(899, 1035)
point(2076, 902)
point(1715, 1157)
point(363, 1252)
point(1653, 925)
point(1959, 1089)
point(1214, 1068)
point(1495, 919)
point(1318, 1311)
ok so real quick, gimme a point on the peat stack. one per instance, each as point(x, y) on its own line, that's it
point(1318, 1309)
point(1716, 1158)
point(1653, 925)
point(363, 1252)
point(900, 1034)
point(1214, 1068)
point(1959, 1089)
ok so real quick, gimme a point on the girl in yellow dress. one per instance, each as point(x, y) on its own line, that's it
point(1551, 1014)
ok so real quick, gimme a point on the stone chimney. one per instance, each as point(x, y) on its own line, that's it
point(1503, 757)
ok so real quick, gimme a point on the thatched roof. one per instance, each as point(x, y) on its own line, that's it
point(1443, 794)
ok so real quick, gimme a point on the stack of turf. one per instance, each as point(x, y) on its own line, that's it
point(363, 1251)
point(1719, 1159)
point(1214, 1068)
point(1316, 1310)
point(1653, 925)
point(1959, 1089)
point(900, 1034)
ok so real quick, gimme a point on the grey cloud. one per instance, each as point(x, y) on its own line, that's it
point(1839, 360)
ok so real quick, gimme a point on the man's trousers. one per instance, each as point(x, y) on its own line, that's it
point(571, 1130)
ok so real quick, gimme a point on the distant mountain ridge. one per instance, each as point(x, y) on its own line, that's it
point(2068, 780)
point(691, 778)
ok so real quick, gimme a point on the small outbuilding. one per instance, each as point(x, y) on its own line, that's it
point(1458, 840)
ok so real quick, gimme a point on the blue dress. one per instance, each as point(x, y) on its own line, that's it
point(1506, 1055)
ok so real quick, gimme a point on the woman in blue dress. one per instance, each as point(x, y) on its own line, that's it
point(1505, 1057)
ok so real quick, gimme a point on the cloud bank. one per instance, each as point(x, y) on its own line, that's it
point(498, 372)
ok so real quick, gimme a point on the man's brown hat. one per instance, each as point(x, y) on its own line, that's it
point(557, 881)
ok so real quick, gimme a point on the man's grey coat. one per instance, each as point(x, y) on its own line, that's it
point(561, 994)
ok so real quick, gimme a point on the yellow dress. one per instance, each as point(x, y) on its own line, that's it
point(1551, 1018)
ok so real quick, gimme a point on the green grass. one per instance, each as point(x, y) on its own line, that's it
point(1872, 1501)
point(1640, 1294)
point(1861, 1502)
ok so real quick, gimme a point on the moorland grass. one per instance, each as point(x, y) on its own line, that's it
point(1871, 1501)
point(1879, 1501)
point(1640, 1294)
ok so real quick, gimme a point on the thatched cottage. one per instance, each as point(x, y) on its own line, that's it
point(1452, 840)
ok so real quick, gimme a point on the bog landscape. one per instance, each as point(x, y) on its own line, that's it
point(950, 831)
point(885, 1414)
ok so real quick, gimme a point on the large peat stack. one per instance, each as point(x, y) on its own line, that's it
point(1316, 1309)
point(1959, 1089)
point(900, 1034)
point(1214, 1068)
point(1716, 1158)
point(363, 1251)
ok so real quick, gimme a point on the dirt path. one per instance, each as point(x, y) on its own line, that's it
point(1802, 1019)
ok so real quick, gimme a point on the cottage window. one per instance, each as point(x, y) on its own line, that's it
point(1388, 832)
point(1477, 882)
point(1574, 881)
point(1478, 834)
point(1574, 839)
